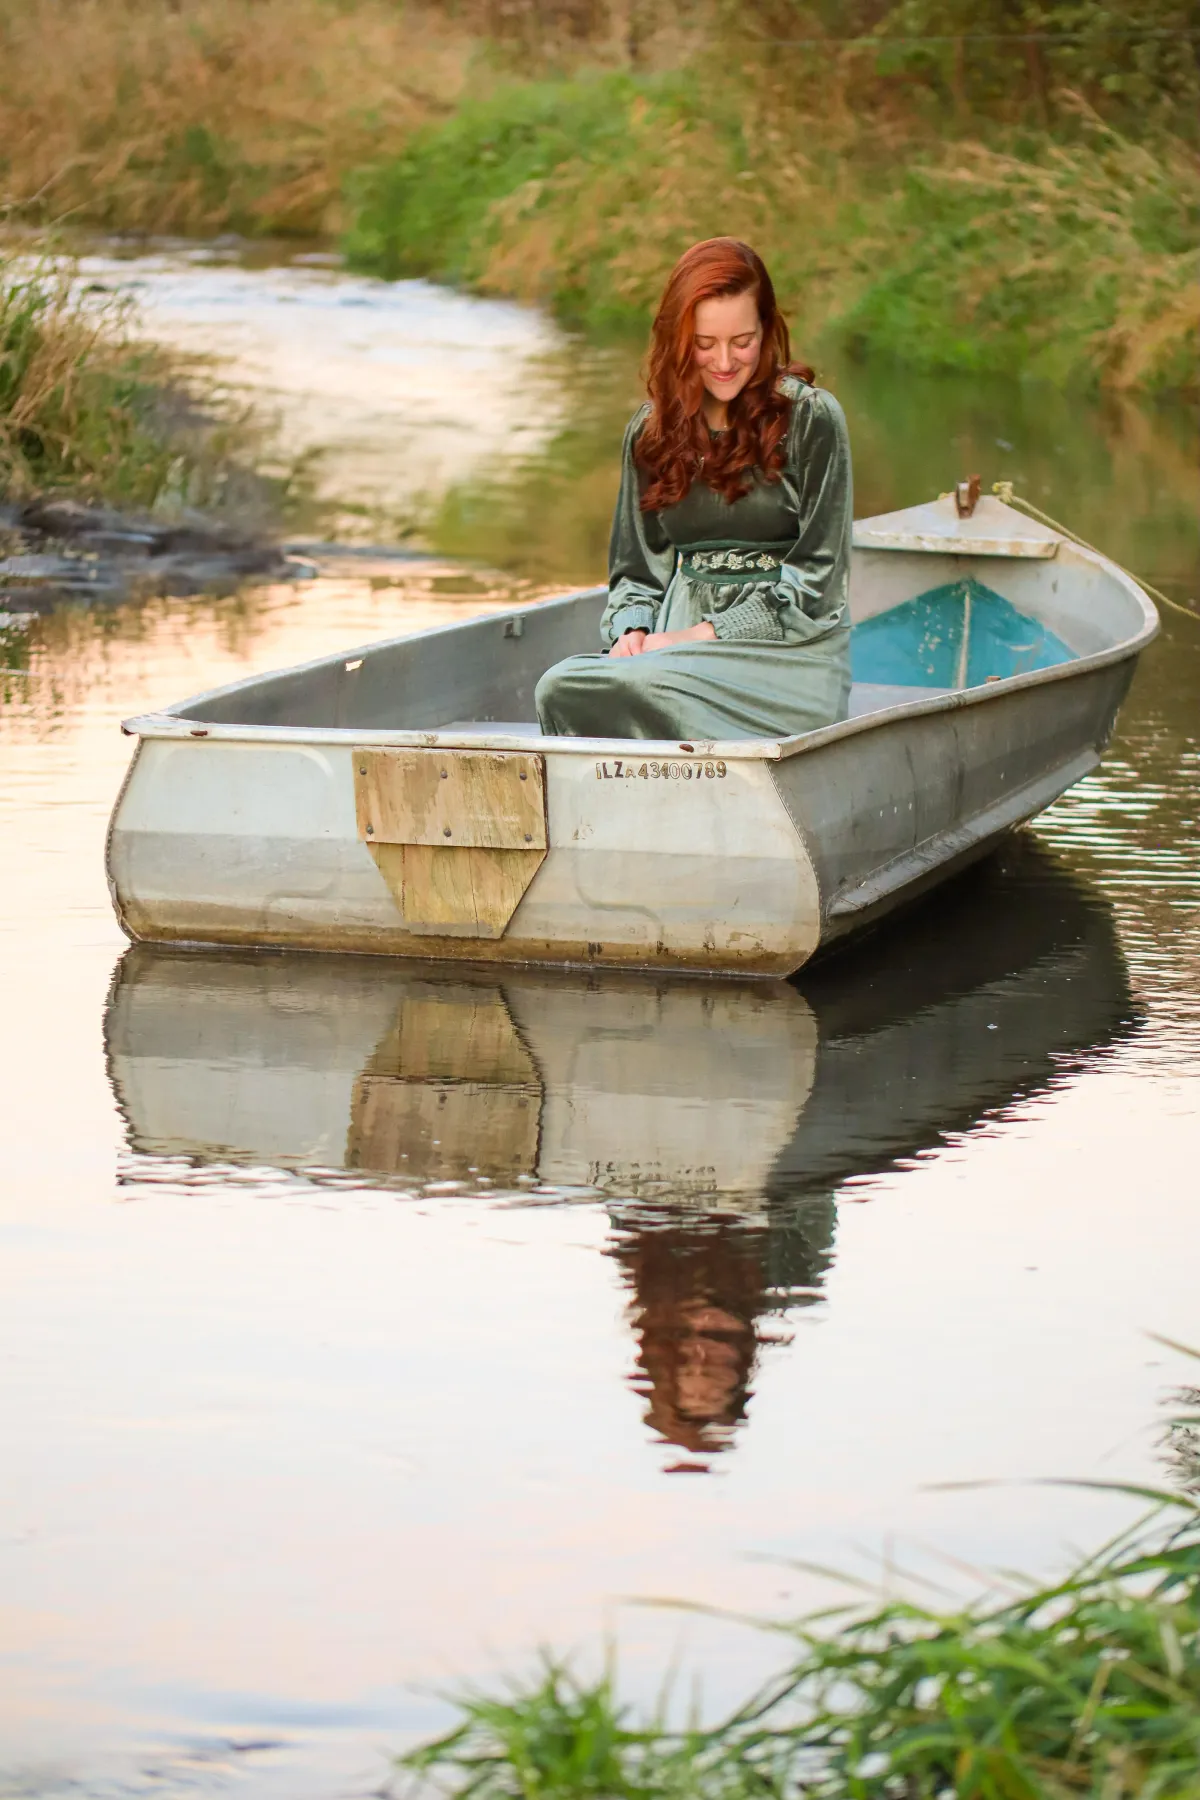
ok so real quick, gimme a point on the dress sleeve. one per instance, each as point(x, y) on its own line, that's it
point(815, 577)
point(641, 558)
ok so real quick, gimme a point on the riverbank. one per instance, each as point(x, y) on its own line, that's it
point(1024, 203)
point(1073, 258)
point(122, 471)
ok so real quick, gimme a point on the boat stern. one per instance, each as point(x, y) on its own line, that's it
point(673, 857)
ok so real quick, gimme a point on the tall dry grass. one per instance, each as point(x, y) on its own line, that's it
point(49, 345)
point(212, 115)
point(565, 151)
point(200, 116)
point(87, 407)
point(1064, 259)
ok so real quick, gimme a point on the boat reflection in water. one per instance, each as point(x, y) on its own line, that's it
point(716, 1119)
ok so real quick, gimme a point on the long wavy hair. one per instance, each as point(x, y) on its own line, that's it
point(675, 442)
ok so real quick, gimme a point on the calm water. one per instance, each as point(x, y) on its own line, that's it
point(365, 1326)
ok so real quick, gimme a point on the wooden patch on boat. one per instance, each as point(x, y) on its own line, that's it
point(471, 799)
point(456, 893)
point(458, 835)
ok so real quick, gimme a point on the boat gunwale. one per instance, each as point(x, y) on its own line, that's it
point(169, 724)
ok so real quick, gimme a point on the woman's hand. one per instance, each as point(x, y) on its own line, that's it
point(695, 634)
point(633, 643)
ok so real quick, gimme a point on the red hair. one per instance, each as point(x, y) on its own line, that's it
point(675, 441)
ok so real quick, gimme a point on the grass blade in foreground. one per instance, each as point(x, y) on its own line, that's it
point(1090, 1687)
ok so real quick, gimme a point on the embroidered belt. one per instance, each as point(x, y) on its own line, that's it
point(758, 565)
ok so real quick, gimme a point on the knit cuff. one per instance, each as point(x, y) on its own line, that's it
point(637, 616)
point(753, 617)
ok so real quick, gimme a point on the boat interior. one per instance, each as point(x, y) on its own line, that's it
point(927, 621)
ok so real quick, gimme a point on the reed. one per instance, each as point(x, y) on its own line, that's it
point(1087, 1687)
point(85, 406)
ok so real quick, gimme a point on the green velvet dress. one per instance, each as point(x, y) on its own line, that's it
point(771, 573)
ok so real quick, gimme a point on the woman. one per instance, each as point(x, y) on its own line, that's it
point(729, 560)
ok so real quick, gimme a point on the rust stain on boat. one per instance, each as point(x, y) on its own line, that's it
point(214, 926)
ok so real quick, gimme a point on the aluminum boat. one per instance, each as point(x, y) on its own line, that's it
point(398, 799)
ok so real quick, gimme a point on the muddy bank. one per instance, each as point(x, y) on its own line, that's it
point(58, 551)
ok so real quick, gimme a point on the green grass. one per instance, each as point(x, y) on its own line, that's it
point(1089, 1687)
point(448, 206)
point(1071, 256)
point(943, 195)
point(1070, 261)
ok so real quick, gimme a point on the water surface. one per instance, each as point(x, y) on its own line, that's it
point(365, 1326)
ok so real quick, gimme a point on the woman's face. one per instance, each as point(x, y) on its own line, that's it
point(727, 337)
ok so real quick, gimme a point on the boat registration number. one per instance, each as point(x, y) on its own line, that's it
point(622, 769)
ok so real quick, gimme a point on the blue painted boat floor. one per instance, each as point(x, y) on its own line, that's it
point(952, 637)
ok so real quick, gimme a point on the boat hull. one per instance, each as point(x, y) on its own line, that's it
point(240, 822)
point(935, 791)
point(259, 844)
point(749, 872)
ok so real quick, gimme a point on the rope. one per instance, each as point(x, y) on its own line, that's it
point(1003, 491)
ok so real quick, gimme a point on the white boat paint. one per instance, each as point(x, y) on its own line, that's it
point(993, 529)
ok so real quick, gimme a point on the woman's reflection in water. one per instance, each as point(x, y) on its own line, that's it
point(708, 1291)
